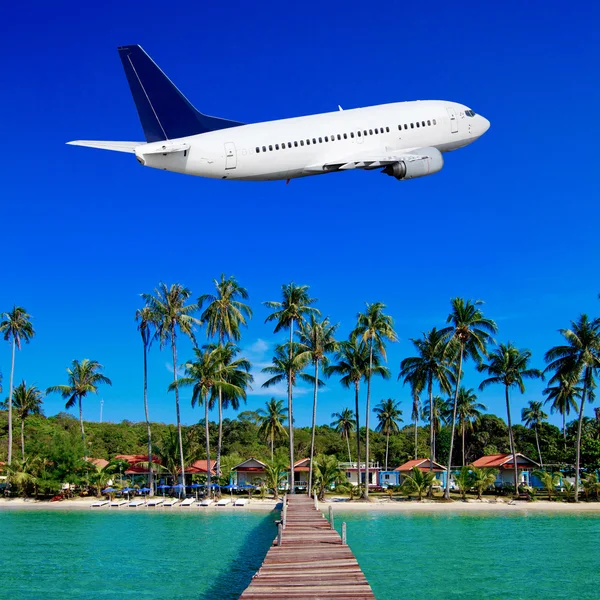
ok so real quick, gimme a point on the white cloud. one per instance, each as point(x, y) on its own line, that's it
point(169, 367)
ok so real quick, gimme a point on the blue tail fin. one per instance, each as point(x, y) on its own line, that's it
point(164, 111)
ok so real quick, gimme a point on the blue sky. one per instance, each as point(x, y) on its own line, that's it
point(511, 219)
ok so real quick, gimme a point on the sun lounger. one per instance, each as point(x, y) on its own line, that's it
point(136, 503)
point(99, 503)
point(241, 502)
point(206, 502)
point(155, 502)
point(171, 502)
point(188, 502)
point(117, 503)
point(223, 502)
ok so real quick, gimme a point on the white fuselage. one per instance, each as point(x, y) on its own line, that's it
point(291, 148)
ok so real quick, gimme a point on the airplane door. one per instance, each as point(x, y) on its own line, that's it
point(230, 156)
point(453, 121)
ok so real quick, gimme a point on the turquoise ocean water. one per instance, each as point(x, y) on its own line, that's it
point(164, 554)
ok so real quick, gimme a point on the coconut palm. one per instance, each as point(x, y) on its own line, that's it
point(26, 401)
point(418, 481)
point(374, 327)
point(271, 422)
point(223, 316)
point(468, 411)
point(173, 315)
point(564, 396)
point(388, 416)
point(274, 475)
point(549, 481)
point(15, 327)
point(464, 480)
point(430, 366)
point(352, 365)
point(470, 333)
point(344, 423)
point(166, 455)
point(590, 484)
point(147, 328)
point(509, 366)
point(532, 416)
point(440, 413)
point(483, 478)
point(84, 378)
point(327, 474)
point(317, 341)
point(294, 307)
point(579, 362)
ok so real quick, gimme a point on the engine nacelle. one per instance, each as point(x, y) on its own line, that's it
point(417, 168)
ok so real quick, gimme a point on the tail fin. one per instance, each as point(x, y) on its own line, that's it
point(164, 111)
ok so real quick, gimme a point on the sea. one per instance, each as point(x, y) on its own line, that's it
point(198, 554)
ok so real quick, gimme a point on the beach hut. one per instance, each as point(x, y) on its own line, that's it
point(506, 471)
point(351, 471)
point(424, 465)
point(248, 471)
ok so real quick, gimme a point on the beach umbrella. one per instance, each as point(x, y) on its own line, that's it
point(145, 490)
point(179, 487)
point(127, 490)
point(230, 487)
point(163, 488)
point(196, 486)
point(109, 490)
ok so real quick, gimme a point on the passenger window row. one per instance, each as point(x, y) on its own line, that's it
point(429, 123)
point(321, 140)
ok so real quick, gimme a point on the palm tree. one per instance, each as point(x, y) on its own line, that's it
point(84, 378)
point(271, 422)
point(274, 475)
point(317, 341)
point(223, 316)
point(147, 328)
point(352, 358)
point(418, 481)
point(388, 416)
point(579, 362)
point(171, 314)
point(564, 396)
point(26, 401)
point(414, 415)
point(509, 366)
point(468, 411)
point(439, 414)
point(483, 478)
point(16, 327)
point(470, 333)
point(464, 480)
point(167, 454)
point(327, 474)
point(532, 416)
point(374, 327)
point(549, 481)
point(294, 307)
point(345, 423)
point(431, 365)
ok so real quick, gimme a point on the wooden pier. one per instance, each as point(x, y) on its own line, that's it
point(311, 562)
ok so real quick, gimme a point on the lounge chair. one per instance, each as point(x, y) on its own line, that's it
point(241, 502)
point(155, 502)
point(206, 502)
point(171, 502)
point(99, 503)
point(136, 503)
point(223, 502)
point(188, 502)
point(117, 503)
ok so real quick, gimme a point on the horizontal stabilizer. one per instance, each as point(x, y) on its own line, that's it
point(115, 146)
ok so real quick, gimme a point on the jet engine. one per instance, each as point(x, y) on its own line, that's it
point(431, 162)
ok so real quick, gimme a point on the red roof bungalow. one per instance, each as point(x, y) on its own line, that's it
point(504, 464)
point(201, 466)
point(100, 463)
point(248, 472)
point(423, 464)
point(135, 468)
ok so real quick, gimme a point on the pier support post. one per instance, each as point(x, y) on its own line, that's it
point(344, 543)
point(331, 524)
point(279, 534)
point(316, 502)
point(284, 513)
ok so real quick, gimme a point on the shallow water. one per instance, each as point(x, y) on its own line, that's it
point(176, 554)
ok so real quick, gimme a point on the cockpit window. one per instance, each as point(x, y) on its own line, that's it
point(470, 113)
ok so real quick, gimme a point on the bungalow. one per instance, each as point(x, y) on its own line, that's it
point(248, 472)
point(424, 465)
point(301, 470)
point(135, 469)
point(506, 470)
point(351, 471)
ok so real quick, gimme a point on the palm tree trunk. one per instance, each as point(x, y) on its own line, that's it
point(356, 398)
point(148, 430)
point(387, 449)
point(579, 428)
point(10, 400)
point(23, 438)
point(272, 443)
point(220, 437)
point(537, 441)
point(416, 437)
point(463, 444)
point(366, 494)
point(207, 436)
point(314, 425)
point(348, 442)
point(564, 419)
point(177, 405)
point(82, 430)
point(431, 433)
point(512, 441)
point(291, 414)
point(460, 362)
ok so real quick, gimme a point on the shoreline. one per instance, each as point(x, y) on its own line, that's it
point(338, 503)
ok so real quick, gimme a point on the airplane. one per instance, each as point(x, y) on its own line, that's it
point(405, 140)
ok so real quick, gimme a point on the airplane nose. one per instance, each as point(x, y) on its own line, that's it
point(485, 125)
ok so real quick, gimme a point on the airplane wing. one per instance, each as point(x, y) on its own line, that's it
point(369, 161)
point(116, 146)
